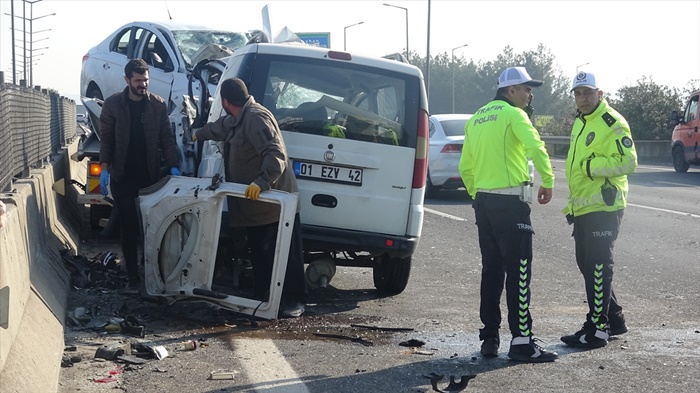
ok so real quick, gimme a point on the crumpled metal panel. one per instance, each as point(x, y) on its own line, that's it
point(181, 223)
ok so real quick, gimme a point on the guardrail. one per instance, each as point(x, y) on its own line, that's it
point(34, 125)
point(647, 151)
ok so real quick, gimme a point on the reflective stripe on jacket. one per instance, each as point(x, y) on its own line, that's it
point(498, 139)
point(601, 149)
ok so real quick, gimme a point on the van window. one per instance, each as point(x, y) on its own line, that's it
point(341, 100)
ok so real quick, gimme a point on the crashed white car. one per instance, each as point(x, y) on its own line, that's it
point(184, 63)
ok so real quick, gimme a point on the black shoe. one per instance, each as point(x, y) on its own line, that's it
point(526, 349)
point(587, 338)
point(489, 348)
point(617, 325)
point(132, 288)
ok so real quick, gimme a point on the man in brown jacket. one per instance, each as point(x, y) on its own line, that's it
point(255, 154)
point(134, 130)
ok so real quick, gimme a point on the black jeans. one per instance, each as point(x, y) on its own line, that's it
point(262, 241)
point(595, 234)
point(125, 194)
point(505, 239)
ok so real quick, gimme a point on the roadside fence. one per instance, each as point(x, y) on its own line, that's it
point(34, 124)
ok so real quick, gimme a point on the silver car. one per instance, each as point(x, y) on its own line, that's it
point(446, 140)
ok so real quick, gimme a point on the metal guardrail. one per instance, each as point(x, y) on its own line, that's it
point(33, 125)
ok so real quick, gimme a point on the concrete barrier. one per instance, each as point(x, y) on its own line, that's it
point(34, 282)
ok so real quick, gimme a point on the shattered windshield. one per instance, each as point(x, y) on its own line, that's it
point(191, 41)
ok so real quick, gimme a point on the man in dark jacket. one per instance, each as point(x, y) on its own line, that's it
point(255, 154)
point(134, 131)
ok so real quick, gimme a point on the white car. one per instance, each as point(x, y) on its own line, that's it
point(172, 51)
point(446, 140)
point(182, 58)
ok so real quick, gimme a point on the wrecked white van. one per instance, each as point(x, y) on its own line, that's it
point(356, 130)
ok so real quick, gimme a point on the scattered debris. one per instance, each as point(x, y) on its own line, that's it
point(422, 352)
point(111, 351)
point(67, 361)
point(105, 380)
point(222, 374)
point(189, 345)
point(130, 325)
point(342, 337)
point(453, 386)
point(412, 343)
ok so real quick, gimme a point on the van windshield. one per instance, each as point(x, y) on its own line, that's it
point(341, 100)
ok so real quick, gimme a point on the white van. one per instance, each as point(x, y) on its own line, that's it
point(356, 130)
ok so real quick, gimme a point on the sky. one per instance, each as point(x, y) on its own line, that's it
point(621, 41)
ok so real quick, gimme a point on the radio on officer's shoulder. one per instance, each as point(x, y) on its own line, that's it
point(526, 192)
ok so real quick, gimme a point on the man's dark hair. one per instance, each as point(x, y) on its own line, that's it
point(138, 66)
point(234, 91)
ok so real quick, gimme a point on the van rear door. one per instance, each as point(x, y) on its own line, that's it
point(351, 134)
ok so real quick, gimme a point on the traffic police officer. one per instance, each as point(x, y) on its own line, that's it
point(601, 155)
point(498, 140)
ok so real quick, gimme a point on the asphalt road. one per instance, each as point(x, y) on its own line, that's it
point(657, 278)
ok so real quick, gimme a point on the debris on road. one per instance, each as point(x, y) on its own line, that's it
point(358, 339)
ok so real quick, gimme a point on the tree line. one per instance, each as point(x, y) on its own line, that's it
point(646, 105)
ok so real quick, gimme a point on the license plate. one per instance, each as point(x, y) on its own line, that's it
point(329, 173)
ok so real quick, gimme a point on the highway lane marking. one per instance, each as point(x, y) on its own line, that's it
point(665, 210)
point(439, 213)
point(265, 367)
point(676, 184)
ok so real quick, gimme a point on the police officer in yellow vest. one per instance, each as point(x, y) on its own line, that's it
point(601, 155)
point(498, 140)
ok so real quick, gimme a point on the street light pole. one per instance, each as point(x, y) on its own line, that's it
point(406, 10)
point(31, 39)
point(581, 65)
point(24, 31)
point(453, 75)
point(345, 30)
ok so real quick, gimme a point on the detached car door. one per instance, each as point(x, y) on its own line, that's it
point(182, 222)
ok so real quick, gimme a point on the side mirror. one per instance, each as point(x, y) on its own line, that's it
point(676, 118)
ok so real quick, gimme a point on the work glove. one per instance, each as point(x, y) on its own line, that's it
point(253, 191)
point(104, 182)
point(175, 171)
point(194, 135)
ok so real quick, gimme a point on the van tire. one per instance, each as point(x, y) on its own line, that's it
point(679, 163)
point(391, 274)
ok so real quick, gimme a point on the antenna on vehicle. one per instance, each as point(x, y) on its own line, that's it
point(168, 9)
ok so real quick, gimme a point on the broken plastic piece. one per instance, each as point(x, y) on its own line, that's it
point(222, 374)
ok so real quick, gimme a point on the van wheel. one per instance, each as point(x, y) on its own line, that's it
point(679, 163)
point(391, 274)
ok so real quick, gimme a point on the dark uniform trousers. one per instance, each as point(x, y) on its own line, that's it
point(262, 241)
point(505, 239)
point(595, 234)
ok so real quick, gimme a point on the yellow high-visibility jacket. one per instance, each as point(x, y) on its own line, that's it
point(498, 140)
point(601, 155)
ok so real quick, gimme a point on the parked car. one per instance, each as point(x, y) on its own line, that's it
point(446, 140)
point(81, 118)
